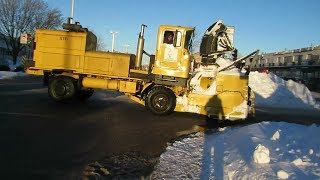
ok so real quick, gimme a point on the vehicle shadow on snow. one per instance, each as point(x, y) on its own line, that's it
point(212, 162)
point(215, 149)
point(303, 114)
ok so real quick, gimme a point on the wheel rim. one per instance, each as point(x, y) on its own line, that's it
point(60, 89)
point(161, 102)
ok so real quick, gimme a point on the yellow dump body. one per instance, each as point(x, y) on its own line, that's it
point(65, 50)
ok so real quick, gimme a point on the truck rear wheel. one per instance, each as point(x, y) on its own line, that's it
point(61, 88)
point(160, 100)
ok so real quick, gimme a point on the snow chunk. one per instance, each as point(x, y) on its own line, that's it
point(291, 151)
point(222, 129)
point(276, 136)
point(261, 155)
point(311, 151)
point(282, 174)
point(299, 162)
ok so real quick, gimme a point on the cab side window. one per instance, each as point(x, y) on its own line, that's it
point(168, 37)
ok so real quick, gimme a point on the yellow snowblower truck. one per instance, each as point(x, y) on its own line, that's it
point(217, 87)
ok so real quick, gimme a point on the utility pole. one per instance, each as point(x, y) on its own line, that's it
point(72, 11)
point(126, 46)
point(113, 35)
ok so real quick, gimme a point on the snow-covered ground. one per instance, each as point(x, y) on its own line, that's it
point(294, 152)
point(266, 150)
point(8, 62)
point(10, 75)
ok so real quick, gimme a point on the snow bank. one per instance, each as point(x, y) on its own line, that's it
point(8, 61)
point(229, 154)
point(10, 75)
point(273, 91)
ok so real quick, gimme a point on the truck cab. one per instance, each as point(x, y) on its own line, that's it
point(173, 59)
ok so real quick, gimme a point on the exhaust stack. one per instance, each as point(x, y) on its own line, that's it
point(140, 46)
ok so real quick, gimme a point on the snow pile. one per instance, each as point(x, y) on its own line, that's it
point(10, 75)
point(273, 91)
point(229, 154)
point(300, 162)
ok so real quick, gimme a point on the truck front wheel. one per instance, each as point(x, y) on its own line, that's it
point(160, 100)
point(61, 88)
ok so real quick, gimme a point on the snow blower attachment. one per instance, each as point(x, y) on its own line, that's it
point(217, 40)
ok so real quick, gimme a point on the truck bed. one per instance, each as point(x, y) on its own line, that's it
point(65, 50)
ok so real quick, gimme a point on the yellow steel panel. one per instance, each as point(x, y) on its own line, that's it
point(232, 82)
point(60, 39)
point(223, 99)
point(59, 49)
point(59, 61)
point(138, 71)
point(96, 65)
point(199, 99)
point(127, 86)
point(113, 64)
point(97, 83)
point(34, 71)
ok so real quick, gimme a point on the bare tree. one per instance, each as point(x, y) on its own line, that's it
point(101, 46)
point(18, 16)
point(196, 42)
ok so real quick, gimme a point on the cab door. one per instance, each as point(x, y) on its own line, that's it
point(170, 55)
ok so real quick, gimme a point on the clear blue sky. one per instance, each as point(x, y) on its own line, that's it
point(268, 25)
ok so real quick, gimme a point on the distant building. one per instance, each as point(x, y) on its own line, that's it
point(303, 56)
point(301, 65)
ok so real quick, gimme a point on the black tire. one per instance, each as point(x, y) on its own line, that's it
point(62, 88)
point(160, 100)
point(84, 94)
